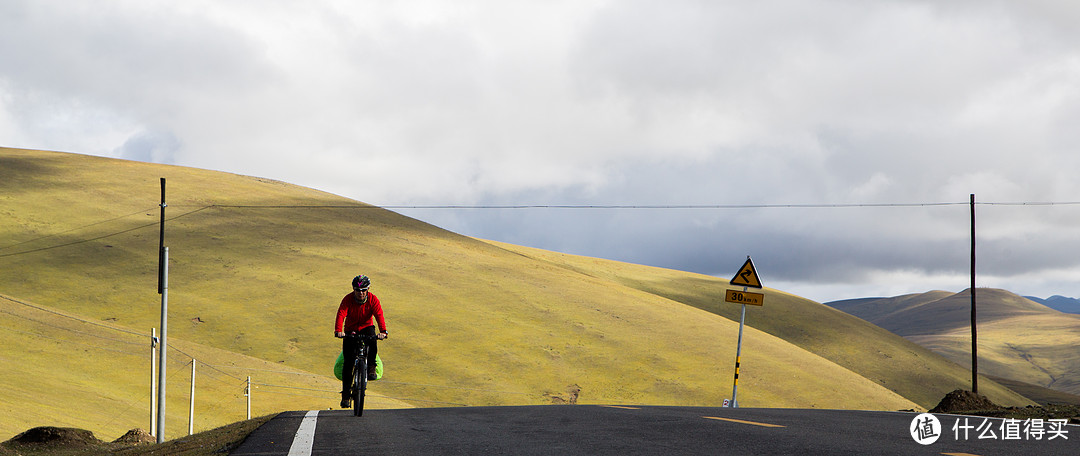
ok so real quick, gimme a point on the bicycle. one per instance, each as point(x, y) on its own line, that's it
point(360, 371)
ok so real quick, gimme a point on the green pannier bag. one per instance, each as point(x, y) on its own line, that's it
point(340, 366)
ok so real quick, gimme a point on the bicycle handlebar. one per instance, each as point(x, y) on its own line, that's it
point(356, 335)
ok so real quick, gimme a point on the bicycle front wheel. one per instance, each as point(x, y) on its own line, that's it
point(359, 386)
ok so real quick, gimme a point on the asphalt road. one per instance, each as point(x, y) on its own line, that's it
point(612, 430)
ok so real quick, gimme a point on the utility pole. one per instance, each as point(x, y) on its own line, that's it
point(974, 332)
point(163, 289)
point(161, 240)
point(164, 350)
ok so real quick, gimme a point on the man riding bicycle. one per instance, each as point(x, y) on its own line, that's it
point(358, 312)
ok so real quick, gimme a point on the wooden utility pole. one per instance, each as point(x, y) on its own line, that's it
point(161, 240)
point(974, 332)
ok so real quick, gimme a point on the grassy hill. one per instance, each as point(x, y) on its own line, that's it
point(64, 370)
point(937, 312)
point(1040, 394)
point(852, 343)
point(257, 268)
point(1019, 339)
point(889, 312)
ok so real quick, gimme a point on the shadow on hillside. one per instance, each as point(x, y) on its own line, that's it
point(24, 173)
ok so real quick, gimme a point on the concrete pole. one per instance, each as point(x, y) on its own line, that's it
point(164, 349)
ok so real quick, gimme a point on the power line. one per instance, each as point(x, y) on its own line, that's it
point(640, 206)
point(1031, 203)
point(83, 341)
point(205, 365)
point(523, 207)
point(83, 241)
point(673, 206)
point(72, 229)
point(596, 206)
point(43, 309)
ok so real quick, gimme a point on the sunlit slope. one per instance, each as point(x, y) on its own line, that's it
point(257, 267)
point(1037, 349)
point(1040, 394)
point(888, 360)
point(63, 370)
point(1019, 339)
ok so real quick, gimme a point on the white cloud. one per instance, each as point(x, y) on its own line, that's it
point(596, 102)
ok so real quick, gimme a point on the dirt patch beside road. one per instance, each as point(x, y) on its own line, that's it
point(968, 403)
point(56, 441)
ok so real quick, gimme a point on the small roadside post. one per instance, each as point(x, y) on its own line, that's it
point(747, 277)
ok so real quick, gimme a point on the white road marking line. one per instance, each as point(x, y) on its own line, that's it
point(305, 435)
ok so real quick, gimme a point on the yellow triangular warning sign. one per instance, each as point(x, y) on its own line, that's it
point(747, 276)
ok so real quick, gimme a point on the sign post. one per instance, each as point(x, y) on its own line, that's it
point(746, 277)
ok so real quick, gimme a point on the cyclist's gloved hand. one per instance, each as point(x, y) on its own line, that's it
point(339, 335)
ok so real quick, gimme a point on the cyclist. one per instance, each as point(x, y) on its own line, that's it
point(358, 312)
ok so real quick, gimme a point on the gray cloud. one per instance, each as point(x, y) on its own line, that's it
point(150, 146)
point(630, 102)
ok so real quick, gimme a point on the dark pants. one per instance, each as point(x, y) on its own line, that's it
point(351, 347)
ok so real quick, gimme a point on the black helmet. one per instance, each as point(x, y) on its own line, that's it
point(361, 282)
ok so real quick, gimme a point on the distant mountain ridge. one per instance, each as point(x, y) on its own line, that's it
point(1018, 338)
point(1058, 302)
point(936, 312)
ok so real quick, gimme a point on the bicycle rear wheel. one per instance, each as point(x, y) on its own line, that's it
point(359, 385)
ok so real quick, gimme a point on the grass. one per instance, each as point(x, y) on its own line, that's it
point(1032, 348)
point(1039, 394)
point(63, 370)
point(257, 268)
point(836, 336)
point(1018, 339)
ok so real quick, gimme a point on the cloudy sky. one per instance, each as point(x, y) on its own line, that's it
point(817, 136)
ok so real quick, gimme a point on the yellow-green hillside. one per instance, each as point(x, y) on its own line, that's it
point(1036, 349)
point(64, 370)
point(257, 268)
point(874, 353)
point(1019, 339)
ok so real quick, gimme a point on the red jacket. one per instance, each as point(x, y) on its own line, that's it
point(353, 316)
